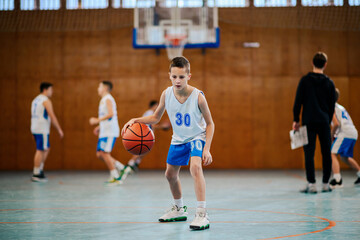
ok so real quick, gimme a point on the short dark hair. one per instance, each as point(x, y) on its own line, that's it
point(180, 62)
point(319, 60)
point(152, 103)
point(337, 94)
point(108, 84)
point(44, 86)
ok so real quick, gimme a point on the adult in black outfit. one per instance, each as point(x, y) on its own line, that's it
point(316, 94)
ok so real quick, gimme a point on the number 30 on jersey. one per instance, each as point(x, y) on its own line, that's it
point(183, 119)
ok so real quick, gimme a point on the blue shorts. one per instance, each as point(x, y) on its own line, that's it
point(106, 144)
point(179, 155)
point(42, 141)
point(343, 146)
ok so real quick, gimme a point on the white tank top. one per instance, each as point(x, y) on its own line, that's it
point(108, 127)
point(346, 128)
point(186, 119)
point(40, 120)
point(148, 113)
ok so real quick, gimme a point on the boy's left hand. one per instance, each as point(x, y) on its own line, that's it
point(207, 158)
point(94, 121)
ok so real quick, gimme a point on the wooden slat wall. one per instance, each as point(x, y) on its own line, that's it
point(250, 91)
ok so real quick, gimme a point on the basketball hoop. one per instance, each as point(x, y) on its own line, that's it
point(175, 45)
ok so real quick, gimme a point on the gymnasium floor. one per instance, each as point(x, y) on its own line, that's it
point(242, 205)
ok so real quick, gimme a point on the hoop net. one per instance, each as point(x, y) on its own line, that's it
point(175, 45)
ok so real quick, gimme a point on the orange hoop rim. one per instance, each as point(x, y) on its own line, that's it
point(175, 40)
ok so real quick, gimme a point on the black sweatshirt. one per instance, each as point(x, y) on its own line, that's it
point(316, 92)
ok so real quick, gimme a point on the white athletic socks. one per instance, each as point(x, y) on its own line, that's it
point(114, 173)
point(358, 174)
point(201, 204)
point(132, 162)
point(138, 161)
point(179, 202)
point(119, 165)
point(36, 171)
point(41, 166)
point(337, 177)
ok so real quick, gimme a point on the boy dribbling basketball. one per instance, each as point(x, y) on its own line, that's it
point(193, 130)
point(134, 162)
point(107, 130)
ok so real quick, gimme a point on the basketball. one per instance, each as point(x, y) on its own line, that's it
point(138, 139)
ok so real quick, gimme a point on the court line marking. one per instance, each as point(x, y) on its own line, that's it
point(160, 222)
point(331, 223)
point(294, 175)
point(102, 200)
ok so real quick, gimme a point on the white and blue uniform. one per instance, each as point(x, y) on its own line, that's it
point(109, 128)
point(189, 127)
point(346, 135)
point(146, 114)
point(40, 123)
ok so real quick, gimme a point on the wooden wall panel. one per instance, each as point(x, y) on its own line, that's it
point(353, 52)
point(228, 89)
point(8, 146)
point(332, 43)
point(272, 119)
point(8, 126)
point(250, 91)
point(8, 52)
point(277, 55)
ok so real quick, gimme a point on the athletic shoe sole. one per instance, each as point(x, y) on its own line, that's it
point(114, 184)
point(336, 186)
point(308, 192)
point(328, 190)
point(178, 219)
point(200, 227)
point(36, 179)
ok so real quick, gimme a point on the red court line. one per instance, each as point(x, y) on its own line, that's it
point(294, 175)
point(66, 208)
point(157, 222)
point(180, 222)
point(330, 225)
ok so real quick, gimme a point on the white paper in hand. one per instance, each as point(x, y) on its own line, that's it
point(299, 138)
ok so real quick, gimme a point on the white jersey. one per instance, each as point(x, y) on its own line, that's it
point(186, 119)
point(346, 127)
point(148, 113)
point(108, 127)
point(40, 120)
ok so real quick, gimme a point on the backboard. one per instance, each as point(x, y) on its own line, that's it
point(196, 21)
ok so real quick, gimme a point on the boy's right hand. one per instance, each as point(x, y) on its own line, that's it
point(128, 124)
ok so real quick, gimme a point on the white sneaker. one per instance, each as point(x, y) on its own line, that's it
point(201, 220)
point(309, 188)
point(112, 182)
point(119, 168)
point(174, 214)
point(124, 173)
point(326, 187)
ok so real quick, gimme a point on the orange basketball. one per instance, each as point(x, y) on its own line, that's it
point(138, 139)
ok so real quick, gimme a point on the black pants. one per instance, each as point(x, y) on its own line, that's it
point(323, 130)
